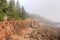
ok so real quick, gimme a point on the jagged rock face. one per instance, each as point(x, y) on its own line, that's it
point(26, 30)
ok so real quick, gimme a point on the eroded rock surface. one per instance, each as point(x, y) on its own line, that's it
point(26, 30)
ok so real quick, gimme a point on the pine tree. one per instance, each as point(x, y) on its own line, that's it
point(3, 8)
point(18, 8)
point(23, 13)
point(11, 9)
point(11, 5)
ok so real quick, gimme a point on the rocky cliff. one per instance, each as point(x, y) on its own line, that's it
point(29, 29)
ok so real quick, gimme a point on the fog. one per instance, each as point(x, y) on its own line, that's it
point(49, 9)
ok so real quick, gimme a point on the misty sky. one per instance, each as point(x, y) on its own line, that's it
point(49, 9)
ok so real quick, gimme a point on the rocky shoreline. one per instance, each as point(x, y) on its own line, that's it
point(26, 30)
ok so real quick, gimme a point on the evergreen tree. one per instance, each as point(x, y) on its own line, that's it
point(23, 13)
point(11, 9)
point(18, 8)
point(3, 8)
point(11, 5)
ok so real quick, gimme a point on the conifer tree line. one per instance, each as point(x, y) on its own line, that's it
point(12, 10)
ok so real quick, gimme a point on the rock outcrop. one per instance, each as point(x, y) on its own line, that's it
point(26, 30)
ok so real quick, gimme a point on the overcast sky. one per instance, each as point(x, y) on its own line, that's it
point(49, 9)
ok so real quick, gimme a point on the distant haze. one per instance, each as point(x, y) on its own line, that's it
point(50, 9)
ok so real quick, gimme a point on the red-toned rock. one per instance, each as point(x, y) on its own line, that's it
point(28, 29)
